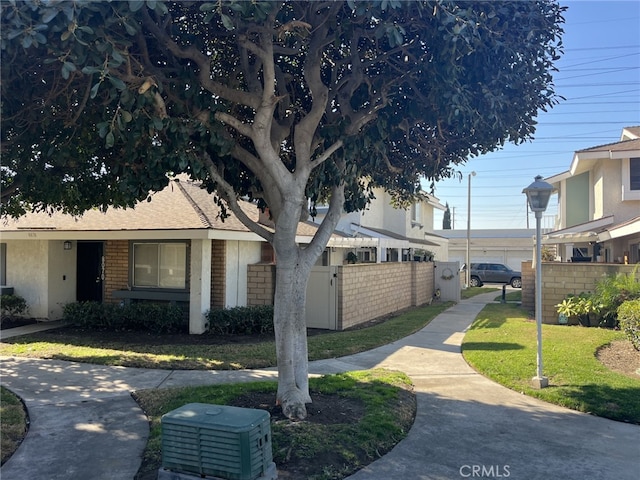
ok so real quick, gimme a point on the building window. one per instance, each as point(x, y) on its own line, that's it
point(160, 265)
point(630, 179)
point(634, 173)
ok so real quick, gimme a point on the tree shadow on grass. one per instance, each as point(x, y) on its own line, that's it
point(621, 404)
point(491, 346)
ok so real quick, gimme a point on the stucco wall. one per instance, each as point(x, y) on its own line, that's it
point(577, 199)
point(62, 273)
point(562, 279)
point(27, 273)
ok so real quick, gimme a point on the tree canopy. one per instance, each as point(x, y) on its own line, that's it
point(101, 99)
point(287, 103)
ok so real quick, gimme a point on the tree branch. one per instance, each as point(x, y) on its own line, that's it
point(327, 153)
point(204, 64)
point(226, 191)
point(240, 127)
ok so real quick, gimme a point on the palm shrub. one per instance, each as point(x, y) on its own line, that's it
point(612, 291)
point(629, 319)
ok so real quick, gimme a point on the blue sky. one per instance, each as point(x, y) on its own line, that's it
point(600, 78)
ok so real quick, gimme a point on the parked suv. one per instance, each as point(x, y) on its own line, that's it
point(493, 273)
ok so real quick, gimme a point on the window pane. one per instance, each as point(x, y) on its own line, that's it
point(145, 270)
point(634, 173)
point(173, 260)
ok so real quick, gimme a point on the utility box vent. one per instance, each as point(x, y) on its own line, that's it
point(218, 441)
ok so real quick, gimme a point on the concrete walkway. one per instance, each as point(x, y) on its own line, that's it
point(86, 426)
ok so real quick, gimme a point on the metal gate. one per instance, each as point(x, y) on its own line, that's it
point(322, 298)
point(447, 280)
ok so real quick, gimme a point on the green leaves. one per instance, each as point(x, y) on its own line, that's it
point(412, 88)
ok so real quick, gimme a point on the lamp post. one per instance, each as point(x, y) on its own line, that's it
point(538, 195)
point(468, 261)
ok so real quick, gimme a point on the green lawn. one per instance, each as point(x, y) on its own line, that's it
point(502, 343)
point(13, 423)
point(190, 353)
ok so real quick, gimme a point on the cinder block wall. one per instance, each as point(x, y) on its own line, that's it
point(528, 286)
point(116, 264)
point(562, 279)
point(422, 288)
point(261, 284)
point(365, 291)
point(368, 291)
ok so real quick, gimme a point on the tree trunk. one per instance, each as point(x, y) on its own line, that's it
point(291, 334)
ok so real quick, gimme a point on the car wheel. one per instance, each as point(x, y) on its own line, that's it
point(516, 283)
point(475, 282)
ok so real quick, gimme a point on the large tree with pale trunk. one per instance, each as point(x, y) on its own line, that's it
point(287, 104)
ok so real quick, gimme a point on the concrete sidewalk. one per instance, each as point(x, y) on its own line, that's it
point(86, 426)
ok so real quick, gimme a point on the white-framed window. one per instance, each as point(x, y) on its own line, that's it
point(634, 174)
point(631, 178)
point(160, 265)
point(416, 215)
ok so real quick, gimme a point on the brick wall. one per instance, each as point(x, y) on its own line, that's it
point(116, 274)
point(562, 279)
point(218, 273)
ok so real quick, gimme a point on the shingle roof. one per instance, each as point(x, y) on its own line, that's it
point(633, 130)
point(625, 145)
point(182, 205)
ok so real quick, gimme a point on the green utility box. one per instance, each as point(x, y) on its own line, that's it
point(217, 441)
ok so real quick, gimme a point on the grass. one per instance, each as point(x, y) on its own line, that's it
point(502, 343)
point(13, 423)
point(470, 292)
point(154, 352)
point(302, 447)
point(515, 296)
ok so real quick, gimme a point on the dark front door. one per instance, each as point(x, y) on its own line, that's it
point(90, 271)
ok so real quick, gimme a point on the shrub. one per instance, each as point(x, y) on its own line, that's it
point(613, 291)
point(629, 318)
point(256, 319)
point(12, 306)
point(142, 316)
point(581, 306)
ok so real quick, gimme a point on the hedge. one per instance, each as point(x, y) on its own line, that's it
point(241, 320)
point(140, 316)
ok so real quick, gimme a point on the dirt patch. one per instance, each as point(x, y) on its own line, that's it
point(312, 448)
point(327, 410)
point(620, 356)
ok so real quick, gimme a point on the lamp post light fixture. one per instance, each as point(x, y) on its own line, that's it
point(538, 195)
point(468, 260)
